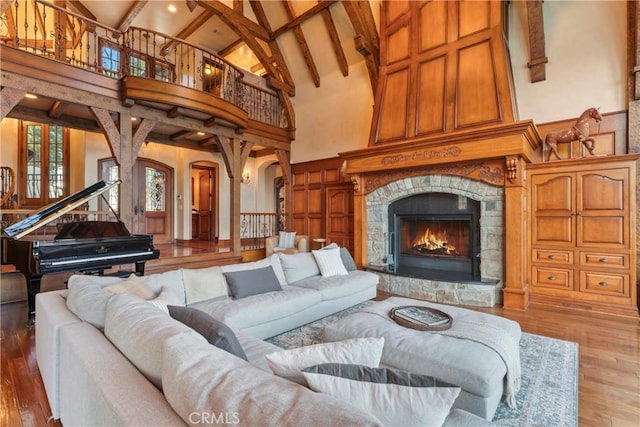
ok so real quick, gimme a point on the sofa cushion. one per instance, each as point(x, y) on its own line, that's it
point(139, 330)
point(273, 261)
point(133, 285)
point(256, 349)
point(258, 309)
point(347, 260)
point(340, 286)
point(329, 262)
point(88, 302)
point(214, 331)
point(394, 397)
point(201, 380)
point(290, 363)
point(203, 283)
point(298, 266)
point(252, 282)
point(166, 298)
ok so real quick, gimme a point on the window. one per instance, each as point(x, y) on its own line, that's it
point(44, 164)
point(212, 76)
point(116, 60)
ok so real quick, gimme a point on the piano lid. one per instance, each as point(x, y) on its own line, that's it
point(55, 210)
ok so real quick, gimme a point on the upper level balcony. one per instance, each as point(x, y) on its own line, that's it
point(138, 67)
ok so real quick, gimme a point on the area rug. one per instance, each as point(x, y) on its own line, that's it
point(549, 392)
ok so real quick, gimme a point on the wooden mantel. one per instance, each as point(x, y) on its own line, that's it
point(503, 149)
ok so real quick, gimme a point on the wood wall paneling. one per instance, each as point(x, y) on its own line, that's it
point(398, 45)
point(393, 107)
point(395, 9)
point(430, 29)
point(431, 96)
point(473, 16)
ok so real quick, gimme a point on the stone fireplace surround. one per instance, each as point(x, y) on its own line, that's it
point(486, 293)
point(486, 164)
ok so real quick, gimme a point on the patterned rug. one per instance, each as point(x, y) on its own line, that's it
point(549, 392)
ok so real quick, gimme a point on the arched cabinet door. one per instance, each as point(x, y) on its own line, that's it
point(152, 193)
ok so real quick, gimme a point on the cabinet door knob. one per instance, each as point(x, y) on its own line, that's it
point(604, 260)
point(603, 284)
point(551, 277)
point(551, 257)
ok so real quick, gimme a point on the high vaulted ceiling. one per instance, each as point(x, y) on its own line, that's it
point(290, 41)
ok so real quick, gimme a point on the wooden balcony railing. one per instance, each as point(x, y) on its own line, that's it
point(44, 29)
point(255, 226)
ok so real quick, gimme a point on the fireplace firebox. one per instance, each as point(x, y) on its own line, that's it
point(435, 236)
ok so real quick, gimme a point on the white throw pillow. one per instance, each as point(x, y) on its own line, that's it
point(88, 301)
point(298, 266)
point(165, 298)
point(395, 397)
point(287, 240)
point(329, 262)
point(290, 363)
point(133, 285)
point(203, 284)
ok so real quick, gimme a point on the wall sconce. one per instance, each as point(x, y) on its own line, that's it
point(245, 179)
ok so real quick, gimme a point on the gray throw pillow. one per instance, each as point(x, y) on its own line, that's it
point(215, 332)
point(252, 282)
point(347, 260)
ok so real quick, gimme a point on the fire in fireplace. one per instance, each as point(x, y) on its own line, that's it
point(435, 236)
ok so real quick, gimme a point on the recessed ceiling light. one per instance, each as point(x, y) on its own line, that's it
point(200, 133)
point(31, 96)
point(171, 8)
point(133, 119)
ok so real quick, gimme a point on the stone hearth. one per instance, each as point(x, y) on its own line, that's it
point(491, 198)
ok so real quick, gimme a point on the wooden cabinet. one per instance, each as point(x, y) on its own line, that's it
point(583, 233)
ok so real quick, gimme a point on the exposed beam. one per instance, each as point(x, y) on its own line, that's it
point(235, 19)
point(32, 115)
point(131, 14)
point(181, 134)
point(175, 112)
point(302, 44)
point(9, 98)
point(191, 28)
point(140, 134)
point(191, 4)
point(367, 40)
point(285, 164)
point(227, 50)
point(298, 20)
point(109, 128)
point(57, 109)
point(335, 41)
point(5, 4)
point(280, 63)
point(238, 6)
point(77, 7)
point(536, 41)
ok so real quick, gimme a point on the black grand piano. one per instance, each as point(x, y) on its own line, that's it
point(87, 246)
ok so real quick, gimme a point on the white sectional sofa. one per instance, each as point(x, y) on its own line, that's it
point(113, 359)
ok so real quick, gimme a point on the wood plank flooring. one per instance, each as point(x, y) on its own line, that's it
point(609, 367)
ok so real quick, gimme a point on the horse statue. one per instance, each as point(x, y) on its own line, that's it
point(579, 131)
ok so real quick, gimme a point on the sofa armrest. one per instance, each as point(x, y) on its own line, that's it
point(52, 315)
point(303, 243)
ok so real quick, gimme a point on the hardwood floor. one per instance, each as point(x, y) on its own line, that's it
point(609, 371)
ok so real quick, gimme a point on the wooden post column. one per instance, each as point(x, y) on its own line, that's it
point(516, 279)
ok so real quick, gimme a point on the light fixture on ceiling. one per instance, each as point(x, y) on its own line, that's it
point(200, 133)
point(31, 96)
point(172, 8)
point(246, 178)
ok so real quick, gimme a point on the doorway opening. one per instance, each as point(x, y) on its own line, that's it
point(204, 201)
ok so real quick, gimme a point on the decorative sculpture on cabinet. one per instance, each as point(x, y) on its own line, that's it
point(579, 131)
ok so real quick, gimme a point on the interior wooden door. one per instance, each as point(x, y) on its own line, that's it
point(339, 215)
point(152, 211)
point(204, 207)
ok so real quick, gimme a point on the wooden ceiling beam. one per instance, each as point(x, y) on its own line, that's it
point(280, 63)
point(227, 14)
point(181, 134)
point(57, 109)
point(536, 41)
point(227, 50)
point(79, 8)
point(191, 28)
point(131, 14)
point(335, 41)
point(302, 43)
point(367, 39)
point(298, 20)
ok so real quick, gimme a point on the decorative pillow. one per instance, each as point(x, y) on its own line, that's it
point(165, 298)
point(88, 302)
point(203, 283)
point(330, 262)
point(273, 261)
point(214, 331)
point(252, 282)
point(298, 266)
point(290, 363)
point(347, 260)
point(287, 239)
point(394, 397)
point(133, 285)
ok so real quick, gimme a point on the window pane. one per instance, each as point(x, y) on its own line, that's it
point(113, 195)
point(56, 162)
point(34, 161)
point(138, 66)
point(155, 185)
point(163, 72)
point(110, 61)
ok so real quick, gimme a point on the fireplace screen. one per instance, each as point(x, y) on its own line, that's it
point(435, 238)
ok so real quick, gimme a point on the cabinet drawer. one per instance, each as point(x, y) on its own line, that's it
point(552, 256)
point(604, 283)
point(553, 277)
point(605, 260)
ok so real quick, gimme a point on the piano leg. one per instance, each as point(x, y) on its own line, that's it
point(140, 268)
point(33, 287)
